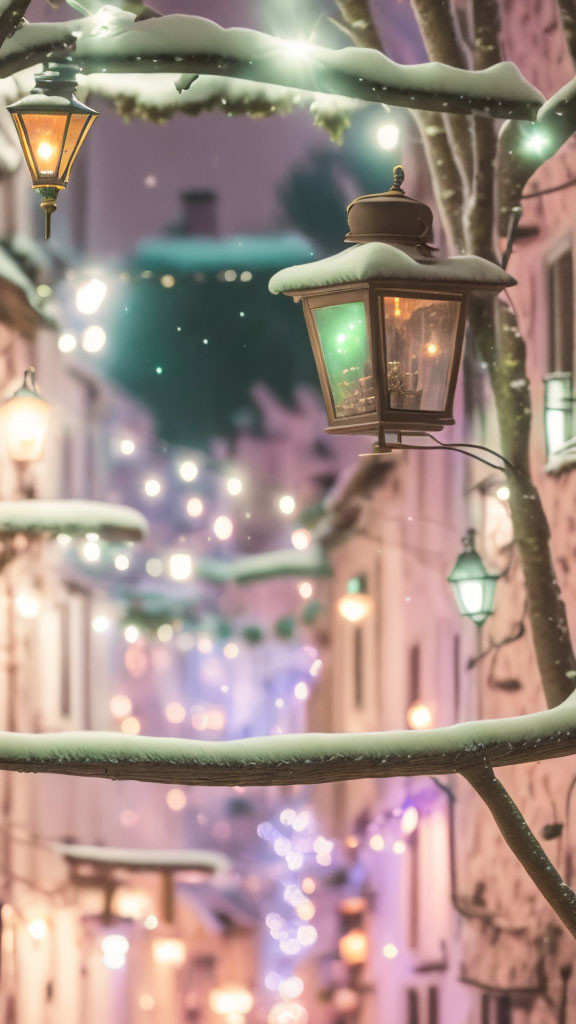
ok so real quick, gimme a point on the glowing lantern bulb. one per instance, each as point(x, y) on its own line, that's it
point(353, 947)
point(24, 421)
point(52, 125)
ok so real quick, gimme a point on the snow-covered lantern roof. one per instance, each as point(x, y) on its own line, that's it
point(52, 124)
point(386, 319)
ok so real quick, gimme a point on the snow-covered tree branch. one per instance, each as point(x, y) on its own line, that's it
point(306, 758)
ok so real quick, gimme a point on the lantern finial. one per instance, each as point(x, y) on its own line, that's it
point(398, 178)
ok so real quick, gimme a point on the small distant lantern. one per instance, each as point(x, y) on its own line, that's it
point(170, 952)
point(52, 125)
point(24, 421)
point(386, 319)
point(472, 584)
point(356, 603)
point(230, 999)
point(558, 410)
point(353, 947)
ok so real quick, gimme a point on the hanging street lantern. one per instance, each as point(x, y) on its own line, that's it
point(356, 603)
point(52, 125)
point(24, 421)
point(472, 584)
point(386, 319)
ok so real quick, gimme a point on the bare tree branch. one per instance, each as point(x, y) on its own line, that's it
point(524, 845)
point(360, 24)
point(501, 346)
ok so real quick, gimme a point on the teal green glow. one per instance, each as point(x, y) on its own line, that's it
point(344, 341)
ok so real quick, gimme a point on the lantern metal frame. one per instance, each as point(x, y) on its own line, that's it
point(53, 95)
point(383, 419)
point(391, 221)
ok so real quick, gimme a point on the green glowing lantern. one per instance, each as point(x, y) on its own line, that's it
point(472, 584)
point(386, 319)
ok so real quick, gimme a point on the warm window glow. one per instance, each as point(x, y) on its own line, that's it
point(180, 566)
point(234, 486)
point(230, 998)
point(354, 607)
point(120, 705)
point(287, 504)
point(152, 487)
point(90, 295)
point(38, 928)
point(175, 712)
point(223, 527)
point(169, 952)
point(194, 507)
point(300, 539)
point(390, 951)
point(131, 725)
point(188, 470)
point(419, 715)
point(27, 604)
point(353, 947)
point(409, 820)
point(93, 338)
point(176, 799)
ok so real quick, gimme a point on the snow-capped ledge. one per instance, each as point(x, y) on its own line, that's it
point(380, 261)
point(563, 459)
point(71, 516)
point(207, 861)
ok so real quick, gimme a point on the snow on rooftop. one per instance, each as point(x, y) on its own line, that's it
point(189, 253)
point(72, 516)
point(379, 260)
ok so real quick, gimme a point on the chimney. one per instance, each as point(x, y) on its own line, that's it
point(200, 212)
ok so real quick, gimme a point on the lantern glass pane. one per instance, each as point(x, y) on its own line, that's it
point(344, 340)
point(73, 135)
point(420, 342)
point(46, 135)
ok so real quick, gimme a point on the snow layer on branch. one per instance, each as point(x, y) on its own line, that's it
point(156, 97)
point(311, 562)
point(283, 760)
point(175, 35)
point(378, 260)
point(113, 42)
point(113, 522)
point(141, 860)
